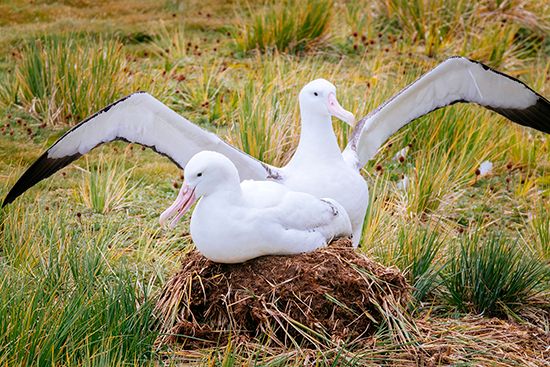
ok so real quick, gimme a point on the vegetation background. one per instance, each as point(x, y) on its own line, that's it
point(82, 257)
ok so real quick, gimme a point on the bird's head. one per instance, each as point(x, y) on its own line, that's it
point(205, 173)
point(318, 99)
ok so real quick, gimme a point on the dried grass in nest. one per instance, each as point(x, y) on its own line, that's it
point(330, 295)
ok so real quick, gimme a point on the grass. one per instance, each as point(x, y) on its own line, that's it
point(416, 254)
point(203, 93)
point(64, 301)
point(106, 186)
point(492, 276)
point(82, 255)
point(290, 26)
point(262, 122)
point(49, 80)
point(540, 230)
point(172, 46)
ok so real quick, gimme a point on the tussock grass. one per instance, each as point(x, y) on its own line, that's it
point(290, 26)
point(492, 276)
point(380, 224)
point(539, 226)
point(263, 123)
point(430, 21)
point(49, 77)
point(203, 94)
point(62, 302)
point(64, 274)
point(9, 90)
point(416, 252)
point(453, 147)
point(172, 46)
point(105, 186)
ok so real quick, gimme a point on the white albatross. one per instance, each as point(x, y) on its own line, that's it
point(237, 221)
point(318, 166)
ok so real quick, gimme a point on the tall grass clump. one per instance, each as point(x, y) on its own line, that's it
point(263, 123)
point(415, 250)
point(492, 276)
point(432, 22)
point(9, 90)
point(379, 223)
point(539, 228)
point(203, 94)
point(105, 186)
point(291, 26)
point(171, 45)
point(67, 303)
point(416, 254)
point(487, 30)
point(451, 149)
point(62, 79)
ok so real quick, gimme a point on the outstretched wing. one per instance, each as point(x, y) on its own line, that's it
point(455, 80)
point(142, 119)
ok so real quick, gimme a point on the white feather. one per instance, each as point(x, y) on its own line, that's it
point(143, 119)
point(456, 79)
point(233, 223)
point(403, 184)
point(485, 168)
point(401, 153)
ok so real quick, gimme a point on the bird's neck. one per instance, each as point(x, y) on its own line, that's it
point(225, 193)
point(317, 141)
point(227, 184)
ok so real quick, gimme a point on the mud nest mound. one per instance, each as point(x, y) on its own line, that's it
point(332, 294)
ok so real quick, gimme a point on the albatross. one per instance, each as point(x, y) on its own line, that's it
point(237, 221)
point(318, 166)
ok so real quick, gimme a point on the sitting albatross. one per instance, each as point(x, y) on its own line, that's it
point(318, 166)
point(237, 221)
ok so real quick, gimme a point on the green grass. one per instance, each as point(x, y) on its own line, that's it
point(63, 302)
point(105, 187)
point(289, 26)
point(539, 225)
point(263, 122)
point(492, 276)
point(50, 83)
point(416, 254)
point(82, 254)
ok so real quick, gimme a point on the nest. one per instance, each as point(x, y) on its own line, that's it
point(331, 294)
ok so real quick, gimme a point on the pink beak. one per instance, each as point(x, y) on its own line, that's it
point(338, 111)
point(185, 199)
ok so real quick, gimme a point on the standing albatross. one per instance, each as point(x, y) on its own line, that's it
point(318, 166)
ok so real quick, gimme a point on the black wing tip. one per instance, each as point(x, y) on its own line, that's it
point(10, 197)
point(8, 200)
point(42, 168)
point(536, 116)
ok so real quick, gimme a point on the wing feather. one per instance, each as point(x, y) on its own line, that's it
point(138, 118)
point(456, 80)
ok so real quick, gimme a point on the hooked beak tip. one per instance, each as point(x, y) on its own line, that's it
point(350, 119)
point(181, 205)
point(336, 110)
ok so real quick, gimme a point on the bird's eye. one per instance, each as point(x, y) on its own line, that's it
point(199, 174)
point(316, 94)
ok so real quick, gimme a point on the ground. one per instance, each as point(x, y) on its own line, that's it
point(83, 258)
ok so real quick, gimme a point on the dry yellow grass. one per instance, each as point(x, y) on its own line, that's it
point(370, 50)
